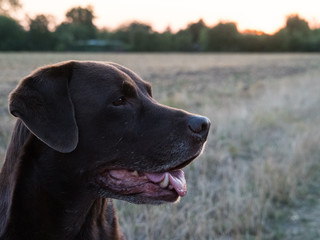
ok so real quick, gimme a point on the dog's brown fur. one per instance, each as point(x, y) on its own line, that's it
point(77, 121)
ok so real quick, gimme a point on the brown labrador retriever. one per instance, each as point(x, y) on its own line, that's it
point(88, 132)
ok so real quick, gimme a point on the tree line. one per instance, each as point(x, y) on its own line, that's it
point(79, 33)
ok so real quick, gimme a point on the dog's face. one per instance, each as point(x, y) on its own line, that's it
point(126, 144)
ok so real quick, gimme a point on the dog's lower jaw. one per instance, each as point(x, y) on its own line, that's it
point(138, 198)
point(140, 187)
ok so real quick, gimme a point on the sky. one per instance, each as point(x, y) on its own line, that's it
point(267, 15)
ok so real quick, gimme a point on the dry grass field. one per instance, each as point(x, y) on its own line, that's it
point(257, 178)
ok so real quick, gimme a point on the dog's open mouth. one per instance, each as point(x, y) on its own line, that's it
point(165, 186)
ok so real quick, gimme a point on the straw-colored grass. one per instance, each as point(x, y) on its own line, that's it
point(262, 153)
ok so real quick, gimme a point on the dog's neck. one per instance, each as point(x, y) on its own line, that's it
point(69, 215)
point(10, 171)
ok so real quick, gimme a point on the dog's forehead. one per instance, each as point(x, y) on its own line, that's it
point(107, 73)
point(94, 82)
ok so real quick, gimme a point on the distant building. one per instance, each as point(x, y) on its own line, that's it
point(100, 45)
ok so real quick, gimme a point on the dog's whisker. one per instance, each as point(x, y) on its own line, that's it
point(120, 139)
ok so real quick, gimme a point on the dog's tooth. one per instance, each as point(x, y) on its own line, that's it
point(165, 182)
point(135, 173)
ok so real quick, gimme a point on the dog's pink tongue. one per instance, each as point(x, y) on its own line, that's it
point(176, 179)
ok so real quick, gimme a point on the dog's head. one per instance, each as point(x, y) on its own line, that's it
point(102, 118)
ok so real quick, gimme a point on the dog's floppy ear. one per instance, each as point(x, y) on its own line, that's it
point(43, 103)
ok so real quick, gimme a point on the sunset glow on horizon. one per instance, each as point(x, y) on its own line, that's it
point(268, 16)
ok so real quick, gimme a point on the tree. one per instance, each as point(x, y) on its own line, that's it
point(64, 36)
point(81, 23)
point(313, 43)
point(298, 33)
point(39, 36)
point(195, 30)
point(223, 37)
point(139, 36)
point(78, 29)
point(296, 24)
point(253, 42)
point(81, 16)
point(8, 5)
point(182, 41)
point(164, 41)
point(12, 35)
point(204, 39)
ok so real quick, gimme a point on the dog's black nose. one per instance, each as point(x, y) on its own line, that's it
point(199, 125)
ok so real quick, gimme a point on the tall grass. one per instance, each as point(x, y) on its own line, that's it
point(263, 150)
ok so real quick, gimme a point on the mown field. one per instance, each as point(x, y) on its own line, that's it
point(257, 178)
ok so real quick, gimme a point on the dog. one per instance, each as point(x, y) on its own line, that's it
point(88, 132)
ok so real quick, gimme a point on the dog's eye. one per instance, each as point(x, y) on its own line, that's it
point(120, 101)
